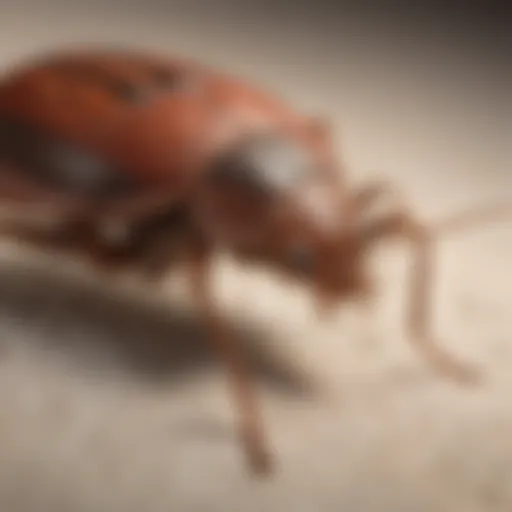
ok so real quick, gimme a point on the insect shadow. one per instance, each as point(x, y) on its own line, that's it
point(156, 343)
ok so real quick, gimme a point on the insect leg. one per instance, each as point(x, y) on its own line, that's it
point(420, 297)
point(419, 313)
point(369, 194)
point(251, 424)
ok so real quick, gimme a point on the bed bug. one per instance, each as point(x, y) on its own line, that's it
point(137, 161)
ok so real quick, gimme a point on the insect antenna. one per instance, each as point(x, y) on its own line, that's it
point(475, 217)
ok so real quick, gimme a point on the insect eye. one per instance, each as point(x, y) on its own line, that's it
point(302, 258)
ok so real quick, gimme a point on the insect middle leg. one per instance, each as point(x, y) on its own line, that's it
point(154, 261)
point(251, 422)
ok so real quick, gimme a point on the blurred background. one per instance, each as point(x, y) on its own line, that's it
point(109, 398)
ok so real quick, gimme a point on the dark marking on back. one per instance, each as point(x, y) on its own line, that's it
point(154, 80)
point(169, 79)
point(122, 89)
point(129, 92)
point(60, 164)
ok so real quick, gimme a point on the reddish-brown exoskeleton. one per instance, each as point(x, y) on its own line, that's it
point(137, 161)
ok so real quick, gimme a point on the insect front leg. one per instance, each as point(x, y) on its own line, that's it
point(418, 322)
point(420, 303)
point(251, 422)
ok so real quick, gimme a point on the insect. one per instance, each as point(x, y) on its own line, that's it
point(138, 161)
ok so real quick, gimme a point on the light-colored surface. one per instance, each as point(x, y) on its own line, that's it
point(96, 414)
